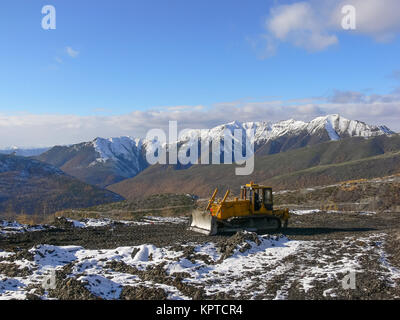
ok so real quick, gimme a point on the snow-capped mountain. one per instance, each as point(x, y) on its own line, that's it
point(107, 161)
point(123, 146)
point(335, 126)
point(99, 162)
point(126, 151)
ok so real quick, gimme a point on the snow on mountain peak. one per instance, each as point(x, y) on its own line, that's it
point(111, 148)
point(336, 126)
point(339, 127)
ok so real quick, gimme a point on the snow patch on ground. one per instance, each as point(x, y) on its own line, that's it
point(7, 227)
point(147, 220)
point(300, 212)
point(251, 269)
point(392, 273)
point(303, 212)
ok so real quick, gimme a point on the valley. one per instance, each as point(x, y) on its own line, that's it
point(94, 221)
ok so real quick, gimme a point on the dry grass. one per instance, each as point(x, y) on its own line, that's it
point(28, 219)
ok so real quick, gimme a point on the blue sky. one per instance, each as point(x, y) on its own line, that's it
point(116, 58)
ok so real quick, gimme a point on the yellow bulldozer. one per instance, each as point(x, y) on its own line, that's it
point(253, 211)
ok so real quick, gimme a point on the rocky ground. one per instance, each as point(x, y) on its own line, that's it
point(377, 195)
point(322, 255)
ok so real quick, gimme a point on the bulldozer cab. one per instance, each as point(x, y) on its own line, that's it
point(260, 197)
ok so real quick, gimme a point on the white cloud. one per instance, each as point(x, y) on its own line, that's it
point(51, 129)
point(316, 24)
point(379, 19)
point(299, 24)
point(71, 52)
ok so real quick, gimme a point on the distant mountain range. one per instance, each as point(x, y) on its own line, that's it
point(25, 152)
point(103, 162)
point(319, 164)
point(288, 154)
point(32, 187)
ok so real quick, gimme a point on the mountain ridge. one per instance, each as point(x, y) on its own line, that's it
point(104, 162)
point(323, 163)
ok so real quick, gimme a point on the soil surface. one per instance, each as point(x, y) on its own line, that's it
point(327, 241)
point(316, 226)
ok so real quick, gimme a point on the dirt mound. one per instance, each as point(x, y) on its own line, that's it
point(158, 275)
point(237, 242)
point(62, 222)
point(24, 254)
point(189, 253)
point(120, 266)
point(13, 270)
point(20, 254)
point(69, 288)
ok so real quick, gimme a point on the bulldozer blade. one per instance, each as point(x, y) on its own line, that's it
point(203, 222)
